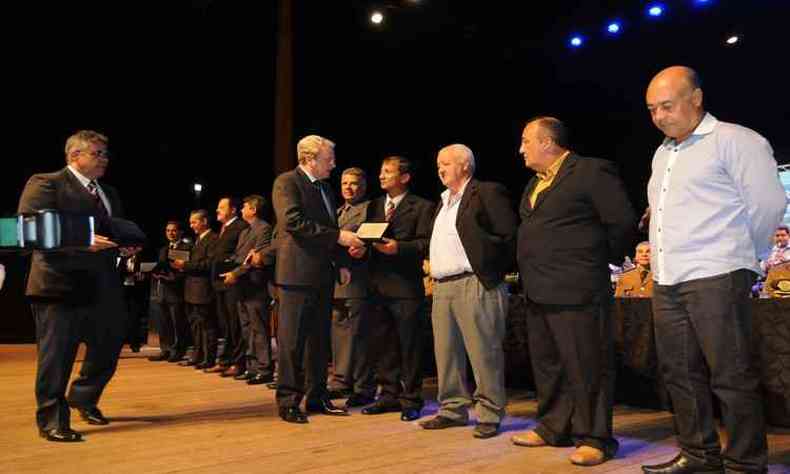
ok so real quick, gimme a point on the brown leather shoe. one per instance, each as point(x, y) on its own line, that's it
point(232, 371)
point(587, 456)
point(530, 439)
point(216, 369)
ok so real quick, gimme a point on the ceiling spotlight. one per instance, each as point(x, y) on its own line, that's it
point(732, 39)
point(376, 18)
point(613, 27)
point(576, 41)
point(655, 10)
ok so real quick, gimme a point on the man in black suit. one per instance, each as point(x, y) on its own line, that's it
point(309, 260)
point(473, 245)
point(232, 358)
point(575, 219)
point(397, 288)
point(75, 294)
point(168, 290)
point(198, 292)
point(251, 284)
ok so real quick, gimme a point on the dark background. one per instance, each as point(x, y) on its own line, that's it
point(185, 89)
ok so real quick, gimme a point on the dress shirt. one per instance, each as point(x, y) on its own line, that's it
point(716, 200)
point(86, 181)
point(778, 255)
point(546, 178)
point(447, 254)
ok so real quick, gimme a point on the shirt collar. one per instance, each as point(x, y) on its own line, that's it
point(396, 200)
point(706, 126)
point(551, 171)
point(200, 237)
point(457, 197)
point(81, 177)
point(309, 176)
point(230, 221)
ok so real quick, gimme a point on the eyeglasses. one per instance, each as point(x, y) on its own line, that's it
point(102, 153)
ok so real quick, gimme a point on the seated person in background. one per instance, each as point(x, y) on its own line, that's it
point(637, 282)
point(781, 251)
point(777, 283)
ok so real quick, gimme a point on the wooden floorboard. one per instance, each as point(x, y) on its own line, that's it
point(170, 419)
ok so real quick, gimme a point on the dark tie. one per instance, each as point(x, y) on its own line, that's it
point(94, 190)
point(325, 197)
point(643, 276)
point(390, 211)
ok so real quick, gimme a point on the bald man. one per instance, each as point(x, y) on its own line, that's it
point(716, 200)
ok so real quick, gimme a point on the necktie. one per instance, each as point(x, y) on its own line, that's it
point(643, 276)
point(94, 190)
point(390, 211)
point(325, 197)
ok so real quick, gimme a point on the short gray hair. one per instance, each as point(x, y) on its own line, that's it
point(310, 146)
point(463, 152)
point(83, 137)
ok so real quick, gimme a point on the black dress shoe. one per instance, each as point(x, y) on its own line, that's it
point(60, 435)
point(683, 465)
point(188, 363)
point(409, 414)
point(134, 347)
point(246, 375)
point(441, 422)
point(359, 400)
point(326, 407)
point(161, 357)
point(292, 415)
point(260, 379)
point(486, 430)
point(271, 385)
point(378, 408)
point(176, 357)
point(93, 416)
point(340, 393)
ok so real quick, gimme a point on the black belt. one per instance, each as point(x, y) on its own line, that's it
point(453, 277)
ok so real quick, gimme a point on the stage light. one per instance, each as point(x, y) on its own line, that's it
point(703, 2)
point(576, 41)
point(655, 10)
point(732, 40)
point(376, 18)
point(614, 27)
point(197, 187)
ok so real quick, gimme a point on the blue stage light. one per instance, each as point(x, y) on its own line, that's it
point(576, 41)
point(655, 10)
point(613, 27)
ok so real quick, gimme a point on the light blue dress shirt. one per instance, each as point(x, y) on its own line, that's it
point(715, 202)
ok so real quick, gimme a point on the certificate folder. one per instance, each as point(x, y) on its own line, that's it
point(369, 232)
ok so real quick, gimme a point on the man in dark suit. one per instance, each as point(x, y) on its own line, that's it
point(352, 370)
point(76, 294)
point(575, 219)
point(232, 358)
point(397, 287)
point(198, 292)
point(308, 258)
point(251, 284)
point(168, 290)
point(473, 245)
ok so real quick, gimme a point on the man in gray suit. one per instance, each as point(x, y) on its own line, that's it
point(250, 283)
point(76, 294)
point(353, 374)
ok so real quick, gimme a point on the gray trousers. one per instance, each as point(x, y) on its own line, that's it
point(254, 320)
point(469, 320)
point(350, 347)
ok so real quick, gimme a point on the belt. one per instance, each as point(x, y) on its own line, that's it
point(457, 276)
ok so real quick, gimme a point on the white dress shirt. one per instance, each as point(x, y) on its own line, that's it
point(447, 254)
point(85, 181)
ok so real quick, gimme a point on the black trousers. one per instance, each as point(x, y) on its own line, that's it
point(703, 337)
point(303, 341)
point(572, 353)
point(351, 358)
point(203, 321)
point(234, 350)
point(256, 331)
point(60, 327)
point(399, 359)
point(173, 327)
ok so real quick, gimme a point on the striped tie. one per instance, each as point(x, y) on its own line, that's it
point(94, 190)
point(390, 211)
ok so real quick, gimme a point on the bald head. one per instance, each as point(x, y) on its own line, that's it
point(674, 99)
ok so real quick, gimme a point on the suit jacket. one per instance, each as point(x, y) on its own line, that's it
point(351, 220)
point(306, 233)
point(400, 275)
point(197, 284)
point(582, 222)
point(224, 249)
point(631, 285)
point(169, 291)
point(487, 226)
point(252, 281)
point(68, 274)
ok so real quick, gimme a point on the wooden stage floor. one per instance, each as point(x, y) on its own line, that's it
point(170, 419)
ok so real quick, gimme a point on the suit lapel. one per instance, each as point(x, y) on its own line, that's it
point(404, 207)
point(565, 169)
point(469, 194)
